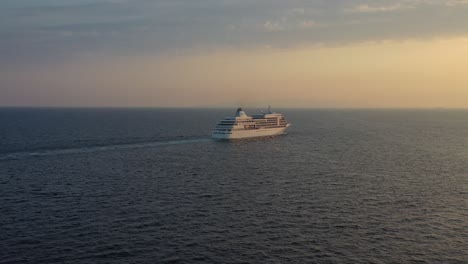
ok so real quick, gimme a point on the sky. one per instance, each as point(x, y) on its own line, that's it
point(227, 53)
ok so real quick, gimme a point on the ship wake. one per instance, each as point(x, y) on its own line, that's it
point(92, 149)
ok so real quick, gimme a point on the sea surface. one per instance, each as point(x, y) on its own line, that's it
point(150, 186)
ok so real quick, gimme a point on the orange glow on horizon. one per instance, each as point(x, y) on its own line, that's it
point(418, 73)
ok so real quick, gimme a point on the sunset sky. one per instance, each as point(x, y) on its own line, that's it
point(212, 53)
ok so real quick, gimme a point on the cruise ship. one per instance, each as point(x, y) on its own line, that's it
point(243, 126)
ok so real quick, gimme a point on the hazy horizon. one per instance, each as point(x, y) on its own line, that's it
point(247, 108)
point(385, 54)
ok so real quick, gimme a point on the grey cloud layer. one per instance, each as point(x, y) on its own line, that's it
point(52, 28)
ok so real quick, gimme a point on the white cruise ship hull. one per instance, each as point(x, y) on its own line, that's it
point(250, 133)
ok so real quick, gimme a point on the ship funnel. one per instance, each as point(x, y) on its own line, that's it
point(240, 113)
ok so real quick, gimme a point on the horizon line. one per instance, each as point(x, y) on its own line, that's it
point(232, 107)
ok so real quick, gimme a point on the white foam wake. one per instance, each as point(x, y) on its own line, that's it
point(67, 151)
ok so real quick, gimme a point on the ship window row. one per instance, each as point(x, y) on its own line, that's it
point(275, 126)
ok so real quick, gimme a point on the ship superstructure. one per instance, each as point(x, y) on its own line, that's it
point(243, 126)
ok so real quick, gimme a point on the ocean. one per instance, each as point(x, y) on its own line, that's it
point(148, 185)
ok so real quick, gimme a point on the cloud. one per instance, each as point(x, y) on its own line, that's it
point(45, 30)
point(290, 20)
point(271, 26)
point(308, 23)
point(456, 2)
point(365, 8)
point(402, 5)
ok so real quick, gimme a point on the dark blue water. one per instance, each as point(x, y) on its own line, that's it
point(149, 186)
